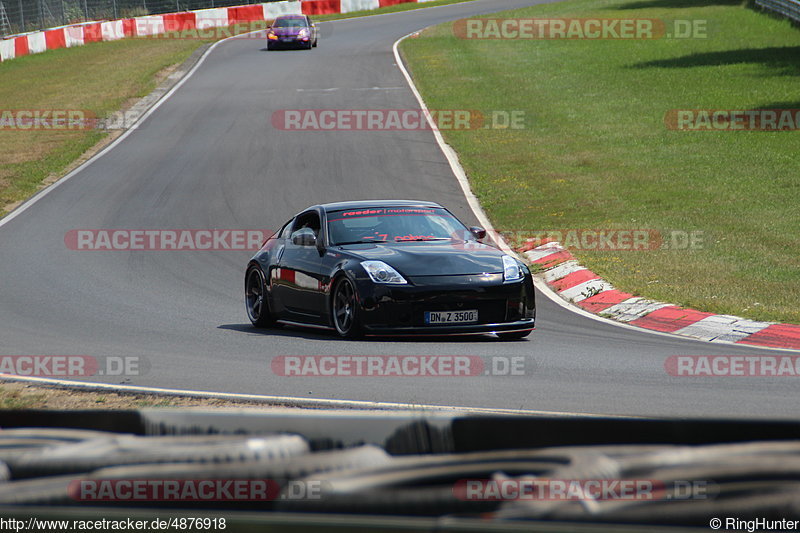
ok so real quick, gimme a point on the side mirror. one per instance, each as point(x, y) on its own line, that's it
point(304, 237)
point(479, 233)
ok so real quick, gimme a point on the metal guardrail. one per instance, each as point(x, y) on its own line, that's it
point(788, 8)
point(30, 15)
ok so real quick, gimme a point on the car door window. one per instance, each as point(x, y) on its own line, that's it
point(307, 220)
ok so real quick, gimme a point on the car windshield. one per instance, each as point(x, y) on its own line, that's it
point(290, 23)
point(394, 224)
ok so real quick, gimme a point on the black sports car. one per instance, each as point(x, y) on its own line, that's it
point(385, 268)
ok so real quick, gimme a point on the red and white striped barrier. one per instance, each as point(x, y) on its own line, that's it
point(203, 19)
point(579, 285)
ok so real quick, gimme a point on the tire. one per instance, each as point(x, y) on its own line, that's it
point(315, 42)
point(514, 335)
point(309, 45)
point(344, 309)
point(255, 300)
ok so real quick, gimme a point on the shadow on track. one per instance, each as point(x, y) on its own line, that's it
point(307, 333)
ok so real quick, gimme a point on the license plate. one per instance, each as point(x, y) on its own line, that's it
point(451, 317)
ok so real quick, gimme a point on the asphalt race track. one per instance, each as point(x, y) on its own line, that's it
point(210, 158)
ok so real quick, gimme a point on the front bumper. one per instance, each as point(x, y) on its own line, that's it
point(452, 329)
point(288, 40)
point(400, 309)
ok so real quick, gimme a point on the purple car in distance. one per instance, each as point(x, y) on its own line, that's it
point(292, 31)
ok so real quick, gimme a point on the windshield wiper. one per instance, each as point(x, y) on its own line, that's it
point(426, 239)
point(396, 241)
point(357, 242)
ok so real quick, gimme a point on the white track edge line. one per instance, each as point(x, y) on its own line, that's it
point(296, 401)
point(472, 200)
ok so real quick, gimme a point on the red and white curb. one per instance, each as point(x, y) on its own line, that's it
point(186, 21)
point(587, 290)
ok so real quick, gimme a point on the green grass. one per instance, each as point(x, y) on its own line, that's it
point(16, 399)
point(98, 77)
point(595, 152)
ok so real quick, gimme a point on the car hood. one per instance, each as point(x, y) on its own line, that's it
point(433, 258)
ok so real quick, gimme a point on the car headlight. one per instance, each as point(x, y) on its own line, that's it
point(271, 35)
point(380, 272)
point(303, 32)
point(512, 270)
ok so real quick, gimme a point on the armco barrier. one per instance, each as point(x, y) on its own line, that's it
point(275, 9)
point(788, 8)
point(211, 18)
point(322, 7)
point(387, 3)
point(245, 14)
point(348, 6)
point(90, 32)
point(55, 39)
point(180, 21)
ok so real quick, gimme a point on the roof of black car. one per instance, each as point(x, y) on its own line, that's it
point(362, 204)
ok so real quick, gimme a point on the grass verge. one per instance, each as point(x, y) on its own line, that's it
point(595, 152)
point(100, 78)
point(20, 395)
